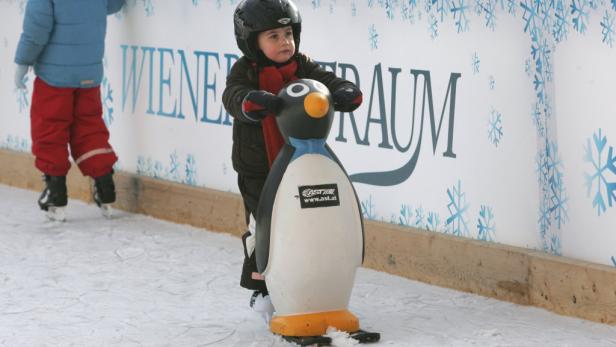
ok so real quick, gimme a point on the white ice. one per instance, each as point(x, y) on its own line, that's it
point(137, 281)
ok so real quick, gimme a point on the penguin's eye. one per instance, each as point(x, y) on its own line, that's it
point(297, 89)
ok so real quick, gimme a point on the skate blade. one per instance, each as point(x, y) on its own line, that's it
point(56, 214)
point(363, 336)
point(106, 211)
point(309, 341)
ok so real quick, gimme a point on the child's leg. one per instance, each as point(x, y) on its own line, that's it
point(51, 119)
point(89, 136)
point(250, 188)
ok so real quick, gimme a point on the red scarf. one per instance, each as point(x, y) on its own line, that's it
point(272, 79)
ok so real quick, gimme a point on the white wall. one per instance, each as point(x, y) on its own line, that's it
point(537, 196)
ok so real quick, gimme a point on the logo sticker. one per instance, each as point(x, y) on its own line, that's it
point(284, 21)
point(322, 195)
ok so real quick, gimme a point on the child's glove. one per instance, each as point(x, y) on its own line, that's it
point(20, 75)
point(258, 104)
point(347, 98)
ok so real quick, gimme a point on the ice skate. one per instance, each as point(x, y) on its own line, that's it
point(54, 199)
point(262, 304)
point(104, 194)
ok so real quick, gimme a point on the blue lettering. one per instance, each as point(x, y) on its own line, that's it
point(165, 81)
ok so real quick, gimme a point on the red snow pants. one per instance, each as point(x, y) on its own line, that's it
point(63, 117)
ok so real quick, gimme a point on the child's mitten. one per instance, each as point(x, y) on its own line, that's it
point(347, 98)
point(20, 76)
point(258, 104)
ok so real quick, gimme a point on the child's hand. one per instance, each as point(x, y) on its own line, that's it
point(20, 75)
point(259, 103)
point(347, 98)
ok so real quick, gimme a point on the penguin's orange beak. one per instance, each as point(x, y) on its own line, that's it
point(316, 105)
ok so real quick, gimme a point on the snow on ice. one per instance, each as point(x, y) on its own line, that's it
point(137, 281)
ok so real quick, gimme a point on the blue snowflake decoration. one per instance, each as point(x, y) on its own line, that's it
point(554, 247)
point(433, 221)
point(544, 218)
point(475, 63)
point(541, 55)
point(478, 7)
point(460, 10)
point(158, 170)
point(511, 6)
point(491, 82)
point(390, 8)
point(538, 119)
point(603, 162)
point(579, 11)
point(558, 200)
point(354, 8)
point(419, 217)
point(145, 166)
point(561, 23)
point(490, 14)
point(195, 2)
point(433, 27)
point(107, 101)
point(495, 128)
point(373, 37)
point(406, 215)
point(16, 143)
point(149, 7)
point(553, 204)
point(174, 167)
point(191, 170)
point(530, 9)
point(315, 3)
point(608, 29)
point(368, 210)
point(410, 11)
point(485, 224)
point(443, 8)
point(457, 206)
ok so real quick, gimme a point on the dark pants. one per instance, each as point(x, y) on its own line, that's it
point(250, 188)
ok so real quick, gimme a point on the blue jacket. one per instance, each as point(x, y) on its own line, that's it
point(65, 40)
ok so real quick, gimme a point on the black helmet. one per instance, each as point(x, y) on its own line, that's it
point(254, 16)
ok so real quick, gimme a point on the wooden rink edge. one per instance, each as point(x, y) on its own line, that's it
point(563, 285)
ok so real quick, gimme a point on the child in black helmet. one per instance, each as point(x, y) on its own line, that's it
point(268, 33)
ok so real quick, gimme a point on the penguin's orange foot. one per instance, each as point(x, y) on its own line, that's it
point(314, 324)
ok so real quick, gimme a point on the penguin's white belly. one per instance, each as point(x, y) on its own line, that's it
point(314, 251)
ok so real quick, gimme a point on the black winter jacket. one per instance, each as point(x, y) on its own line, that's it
point(249, 156)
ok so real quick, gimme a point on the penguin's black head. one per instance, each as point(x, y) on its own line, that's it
point(308, 110)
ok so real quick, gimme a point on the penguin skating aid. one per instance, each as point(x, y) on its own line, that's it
point(309, 230)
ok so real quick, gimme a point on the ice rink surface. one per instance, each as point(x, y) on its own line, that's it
point(137, 281)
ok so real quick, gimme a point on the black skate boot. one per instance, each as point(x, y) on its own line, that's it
point(262, 304)
point(54, 199)
point(104, 193)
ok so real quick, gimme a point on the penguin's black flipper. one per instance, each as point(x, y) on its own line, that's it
point(266, 205)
